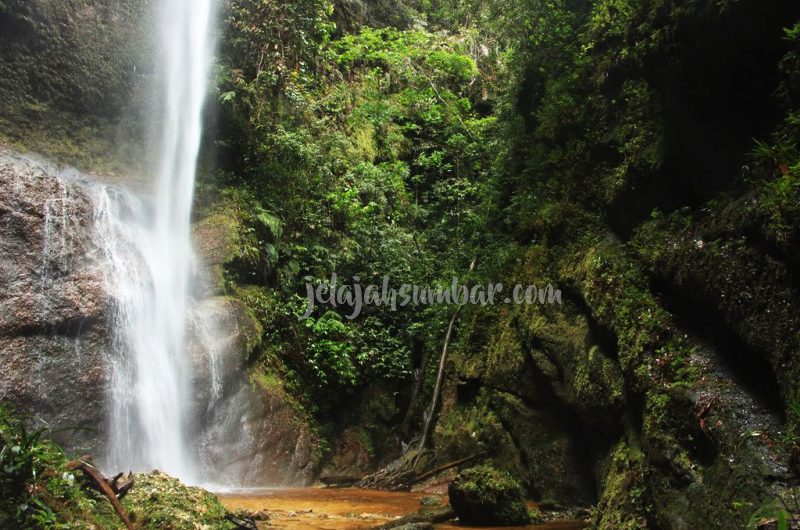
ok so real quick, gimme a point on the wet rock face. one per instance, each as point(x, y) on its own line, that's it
point(250, 434)
point(215, 244)
point(52, 304)
point(254, 438)
point(665, 395)
point(101, 84)
point(57, 339)
point(220, 335)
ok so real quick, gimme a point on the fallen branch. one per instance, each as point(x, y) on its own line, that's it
point(445, 467)
point(120, 490)
point(401, 474)
point(396, 475)
point(103, 485)
point(241, 523)
point(792, 523)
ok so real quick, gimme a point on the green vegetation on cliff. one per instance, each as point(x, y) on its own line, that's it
point(360, 154)
point(642, 156)
point(73, 80)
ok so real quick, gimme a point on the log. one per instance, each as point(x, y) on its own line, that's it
point(103, 485)
point(242, 523)
point(396, 475)
point(401, 474)
point(791, 523)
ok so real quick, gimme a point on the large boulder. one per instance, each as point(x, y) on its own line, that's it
point(485, 496)
point(160, 501)
point(53, 302)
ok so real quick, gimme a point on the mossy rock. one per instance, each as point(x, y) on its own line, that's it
point(485, 496)
point(160, 501)
point(432, 500)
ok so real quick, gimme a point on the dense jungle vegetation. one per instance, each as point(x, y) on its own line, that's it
point(641, 155)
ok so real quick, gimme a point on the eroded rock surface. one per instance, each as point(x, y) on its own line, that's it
point(52, 303)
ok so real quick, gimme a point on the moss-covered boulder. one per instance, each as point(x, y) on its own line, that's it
point(485, 496)
point(160, 501)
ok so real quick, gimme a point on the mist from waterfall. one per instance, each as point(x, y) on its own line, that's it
point(147, 242)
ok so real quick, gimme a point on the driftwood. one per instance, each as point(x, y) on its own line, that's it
point(120, 490)
point(242, 523)
point(792, 523)
point(440, 469)
point(402, 473)
point(245, 519)
point(110, 488)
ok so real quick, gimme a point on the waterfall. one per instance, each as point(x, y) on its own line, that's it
point(150, 263)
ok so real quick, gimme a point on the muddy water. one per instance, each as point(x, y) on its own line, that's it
point(341, 509)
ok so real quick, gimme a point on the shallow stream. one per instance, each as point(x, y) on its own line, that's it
point(344, 508)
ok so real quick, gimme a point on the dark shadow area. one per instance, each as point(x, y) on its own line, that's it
point(467, 391)
point(590, 441)
point(601, 335)
point(716, 91)
point(790, 261)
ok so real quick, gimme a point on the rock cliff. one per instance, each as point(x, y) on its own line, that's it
point(57, 339)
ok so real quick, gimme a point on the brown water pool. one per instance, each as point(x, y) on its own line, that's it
point(341, 508)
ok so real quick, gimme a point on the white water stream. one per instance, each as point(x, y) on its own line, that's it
point(147, 245)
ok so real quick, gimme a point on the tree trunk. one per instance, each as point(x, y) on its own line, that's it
point(428, 420)
point(418, 381)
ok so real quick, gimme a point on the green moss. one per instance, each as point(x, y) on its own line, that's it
point(276, 386)
point(270, 382)
point(69, 82)
point(216, 239)
point(622, 505)
point(158, 501)
point(619, 296)
point(483, 495)
point(466, 430)
point(503, 358)
point(598, 381)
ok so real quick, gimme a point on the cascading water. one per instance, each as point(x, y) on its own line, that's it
point(109, 322)
point(150, 263)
